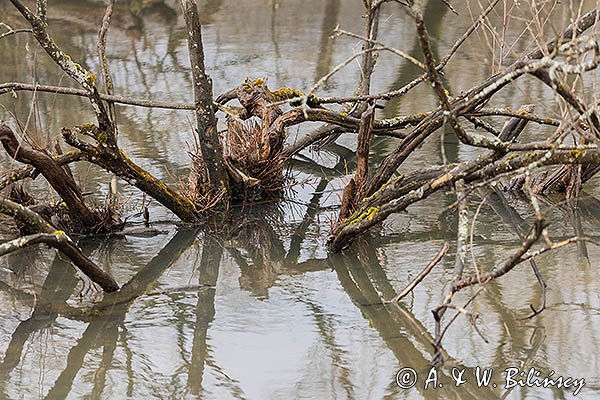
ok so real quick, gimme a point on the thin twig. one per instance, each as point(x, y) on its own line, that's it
point(14, 31)
point(417, 279)
point(18, 86)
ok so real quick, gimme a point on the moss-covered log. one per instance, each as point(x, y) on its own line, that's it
point(121, 165)
point(61, 242)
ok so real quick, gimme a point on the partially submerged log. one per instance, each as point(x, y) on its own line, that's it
point(57, 239)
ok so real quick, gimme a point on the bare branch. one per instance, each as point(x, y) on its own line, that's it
point(417, 279)
point(65, 244)
point(18, 86)
point(51, 239)
point(208, 173)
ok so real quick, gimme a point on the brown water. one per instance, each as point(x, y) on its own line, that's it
point(267, 314)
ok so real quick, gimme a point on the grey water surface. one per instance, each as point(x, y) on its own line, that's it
point(266, 313)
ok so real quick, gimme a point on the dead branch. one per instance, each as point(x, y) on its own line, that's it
point(509, 264)
point(208, 172)
point(51, 239)
point(417, 279)
point(10, 87)
point(83, 218)
point(11, 31)
point(101, 45)
point(508, 112)
point(18, 174)
point(511, 218)
point(356, 188)
point(121, 165)
point(65, 245)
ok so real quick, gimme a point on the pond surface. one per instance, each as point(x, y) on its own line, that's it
point(266, 313)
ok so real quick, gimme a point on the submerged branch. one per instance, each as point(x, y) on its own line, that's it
point(417, 279)
point(65, 245)
point(52, 239)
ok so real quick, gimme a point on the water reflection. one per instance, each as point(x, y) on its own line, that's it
point(264, 313)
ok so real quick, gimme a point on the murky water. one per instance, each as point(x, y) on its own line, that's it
point(267, 314)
